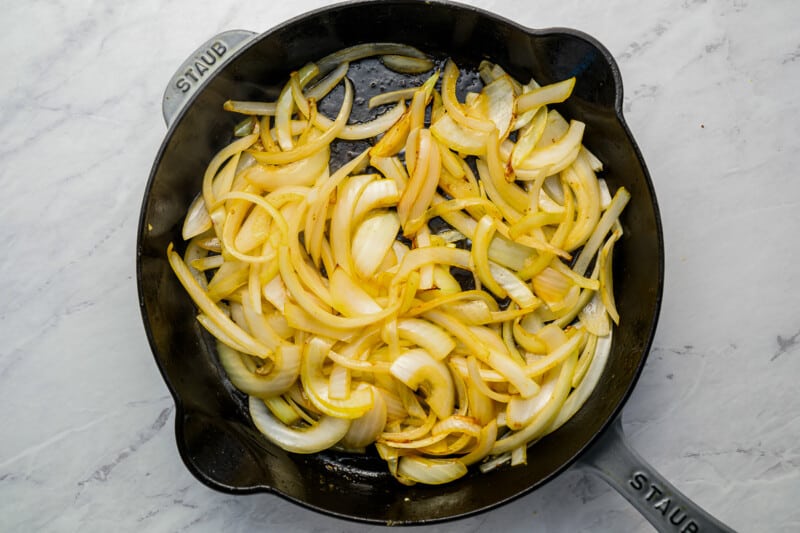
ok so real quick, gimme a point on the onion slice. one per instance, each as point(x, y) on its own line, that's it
point(430, 471)
point(417, 368)
point(327, 431)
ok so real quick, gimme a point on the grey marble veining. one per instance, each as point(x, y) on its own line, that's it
point(87, 441)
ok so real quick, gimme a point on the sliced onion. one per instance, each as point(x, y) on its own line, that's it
point(284, 372)
point(454, 108)
point(484, 232)
point(327, 432)
point(339, 383)
point(299, 319)
point(309, 267)
point(426, 335)
point(283, 409)
point(316, 385)
point(361, 51)
point(520, 411)
point(607, 220)
point(585, 359)
point(304, 171)
point(512, 201)
point(501, 361)
point(250, 108)
point(501, 104)
point(342, 217)
point(197, 220)
point(234, 148)
point(309, 148)
point(418, 369)
point(594, 316)
point(477, 381)
point(516, 289)
point(459, 138)
point(365, 130)
point(391, 97)
point(366, 429)
point(607, 275)
point(210, 309)
point(541, 422)
point(321, 88)
point(529, 138)
point(579, 396)
point(581, 178)
point(470, 312)
point(348, 297)
point(549, 94)
point(377, 194)
point(430, 471)
point(407, 64)
point(372, 239)
point(559, 155)
point(484, 445)
point(556, 356)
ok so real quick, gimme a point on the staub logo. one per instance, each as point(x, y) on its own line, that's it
point(662, 503)
point(201, 64)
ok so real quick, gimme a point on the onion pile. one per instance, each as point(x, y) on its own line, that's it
point(445, 295)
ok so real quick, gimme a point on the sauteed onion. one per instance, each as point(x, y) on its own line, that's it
point(444, 295)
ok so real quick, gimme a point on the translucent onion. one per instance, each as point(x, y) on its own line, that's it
point(324, 434)
point(501, 104)
point(407, 64)
point(250, 108)
point(454, 108)
point(210, 309)
point(458, 137)
point(311, 147)
point(540, 422)
point(348, 296)
point(417, 368)
point(607, 220)
point(316, 385)
point(372, 240)
point(426, 335)
point(366, 429)
point(480, 255)
point(430, 471)
point(606, 273)
point(549, 94)
point(365, 130)
point(520, 411)
point(282, 375)
point(353, 334)
point(197, 219)
point(304, 171)
point(582, 392)
point(361, 51)
point(558, 155)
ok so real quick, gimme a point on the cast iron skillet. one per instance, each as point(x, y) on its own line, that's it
point(215, 437)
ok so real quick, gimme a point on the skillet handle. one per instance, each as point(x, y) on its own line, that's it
point(664, 506)
point(200, 65)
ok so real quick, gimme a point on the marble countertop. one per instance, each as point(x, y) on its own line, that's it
point(87, 441)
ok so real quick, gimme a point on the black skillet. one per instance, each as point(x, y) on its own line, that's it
point(215, 437)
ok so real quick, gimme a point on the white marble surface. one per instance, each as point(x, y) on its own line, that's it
point(87, 424)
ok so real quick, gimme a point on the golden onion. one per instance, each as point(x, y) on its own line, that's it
point(410, 305)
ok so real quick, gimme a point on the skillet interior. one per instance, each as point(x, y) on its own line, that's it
point(215, 437)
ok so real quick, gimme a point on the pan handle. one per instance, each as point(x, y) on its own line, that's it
point(664, 506)
point(199, 67)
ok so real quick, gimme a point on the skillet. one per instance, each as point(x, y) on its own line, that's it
point(215, 437)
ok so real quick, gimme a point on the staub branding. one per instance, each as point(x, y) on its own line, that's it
point(656, 496)
point(201, 64)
